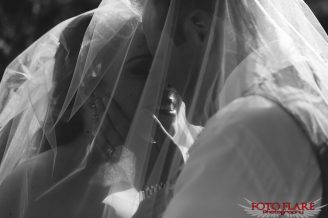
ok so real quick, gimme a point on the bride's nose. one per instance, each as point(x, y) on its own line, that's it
point(138, 46)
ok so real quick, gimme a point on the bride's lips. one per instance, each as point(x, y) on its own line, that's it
point(139, 65)
point(139, 57)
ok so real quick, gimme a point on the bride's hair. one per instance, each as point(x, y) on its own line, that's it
point(71, 38)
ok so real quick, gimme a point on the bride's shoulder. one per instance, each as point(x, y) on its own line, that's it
point(39, 171)
point(30, 174)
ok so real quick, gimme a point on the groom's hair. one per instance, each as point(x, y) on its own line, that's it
point(184, 7)
point(187, 5)
point(239, 14)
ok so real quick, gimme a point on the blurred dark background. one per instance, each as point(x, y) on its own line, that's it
point(23, 21)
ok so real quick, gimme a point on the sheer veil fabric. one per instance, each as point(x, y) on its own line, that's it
point(277, 49)
point(261, 37)
point(85, 129)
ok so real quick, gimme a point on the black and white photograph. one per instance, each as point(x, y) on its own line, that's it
point(164, 109)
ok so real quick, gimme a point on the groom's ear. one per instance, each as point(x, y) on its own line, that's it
point(197, 26)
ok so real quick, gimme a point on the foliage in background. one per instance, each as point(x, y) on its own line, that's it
point(23, 21)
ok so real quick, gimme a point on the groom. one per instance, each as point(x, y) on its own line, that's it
point(251, 147)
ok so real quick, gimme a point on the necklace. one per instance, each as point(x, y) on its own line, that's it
point(108, 150)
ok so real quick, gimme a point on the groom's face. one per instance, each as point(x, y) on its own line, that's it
point(188, 44)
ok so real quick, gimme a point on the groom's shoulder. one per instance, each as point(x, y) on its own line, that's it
point(252, 122)
point(252, 113)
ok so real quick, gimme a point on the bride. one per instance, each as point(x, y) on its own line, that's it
point(70, 103)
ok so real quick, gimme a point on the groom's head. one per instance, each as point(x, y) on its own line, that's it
point(189, 17)
point(188, 24)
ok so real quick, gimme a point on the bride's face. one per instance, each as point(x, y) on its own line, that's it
point(132, 80)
